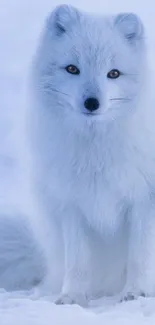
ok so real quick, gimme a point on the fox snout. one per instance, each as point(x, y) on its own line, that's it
point(91, 104)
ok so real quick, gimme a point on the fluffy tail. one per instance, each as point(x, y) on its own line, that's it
point(21, 261)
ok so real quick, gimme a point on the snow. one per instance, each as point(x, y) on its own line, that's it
point(20, 24)
point(23, 309)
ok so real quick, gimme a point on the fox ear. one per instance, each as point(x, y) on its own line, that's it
point(130, 25)
point(62, 18)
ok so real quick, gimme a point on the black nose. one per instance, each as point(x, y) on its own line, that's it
point(92, 104)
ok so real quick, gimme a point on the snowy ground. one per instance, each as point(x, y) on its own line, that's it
point(24, 309)
point(20, 23)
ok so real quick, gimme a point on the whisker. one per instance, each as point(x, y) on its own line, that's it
point(48, 88)
point(120, 99)
point(58, 91)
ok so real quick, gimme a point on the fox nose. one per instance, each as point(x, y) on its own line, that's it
point(91, 104)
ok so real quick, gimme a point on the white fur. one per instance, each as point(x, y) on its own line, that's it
point(21, 261)
point(94, 175)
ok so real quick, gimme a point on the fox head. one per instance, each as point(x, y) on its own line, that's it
point(88, 67)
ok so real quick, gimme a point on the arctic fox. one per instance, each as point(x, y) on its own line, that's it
point(94, 154)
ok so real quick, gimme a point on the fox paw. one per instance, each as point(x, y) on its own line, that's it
point(129, 296)
point(67, 299)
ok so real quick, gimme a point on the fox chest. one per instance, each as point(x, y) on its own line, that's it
point(101, 197)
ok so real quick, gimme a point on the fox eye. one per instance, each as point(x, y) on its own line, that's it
point(72, 69)
point(113, 74)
